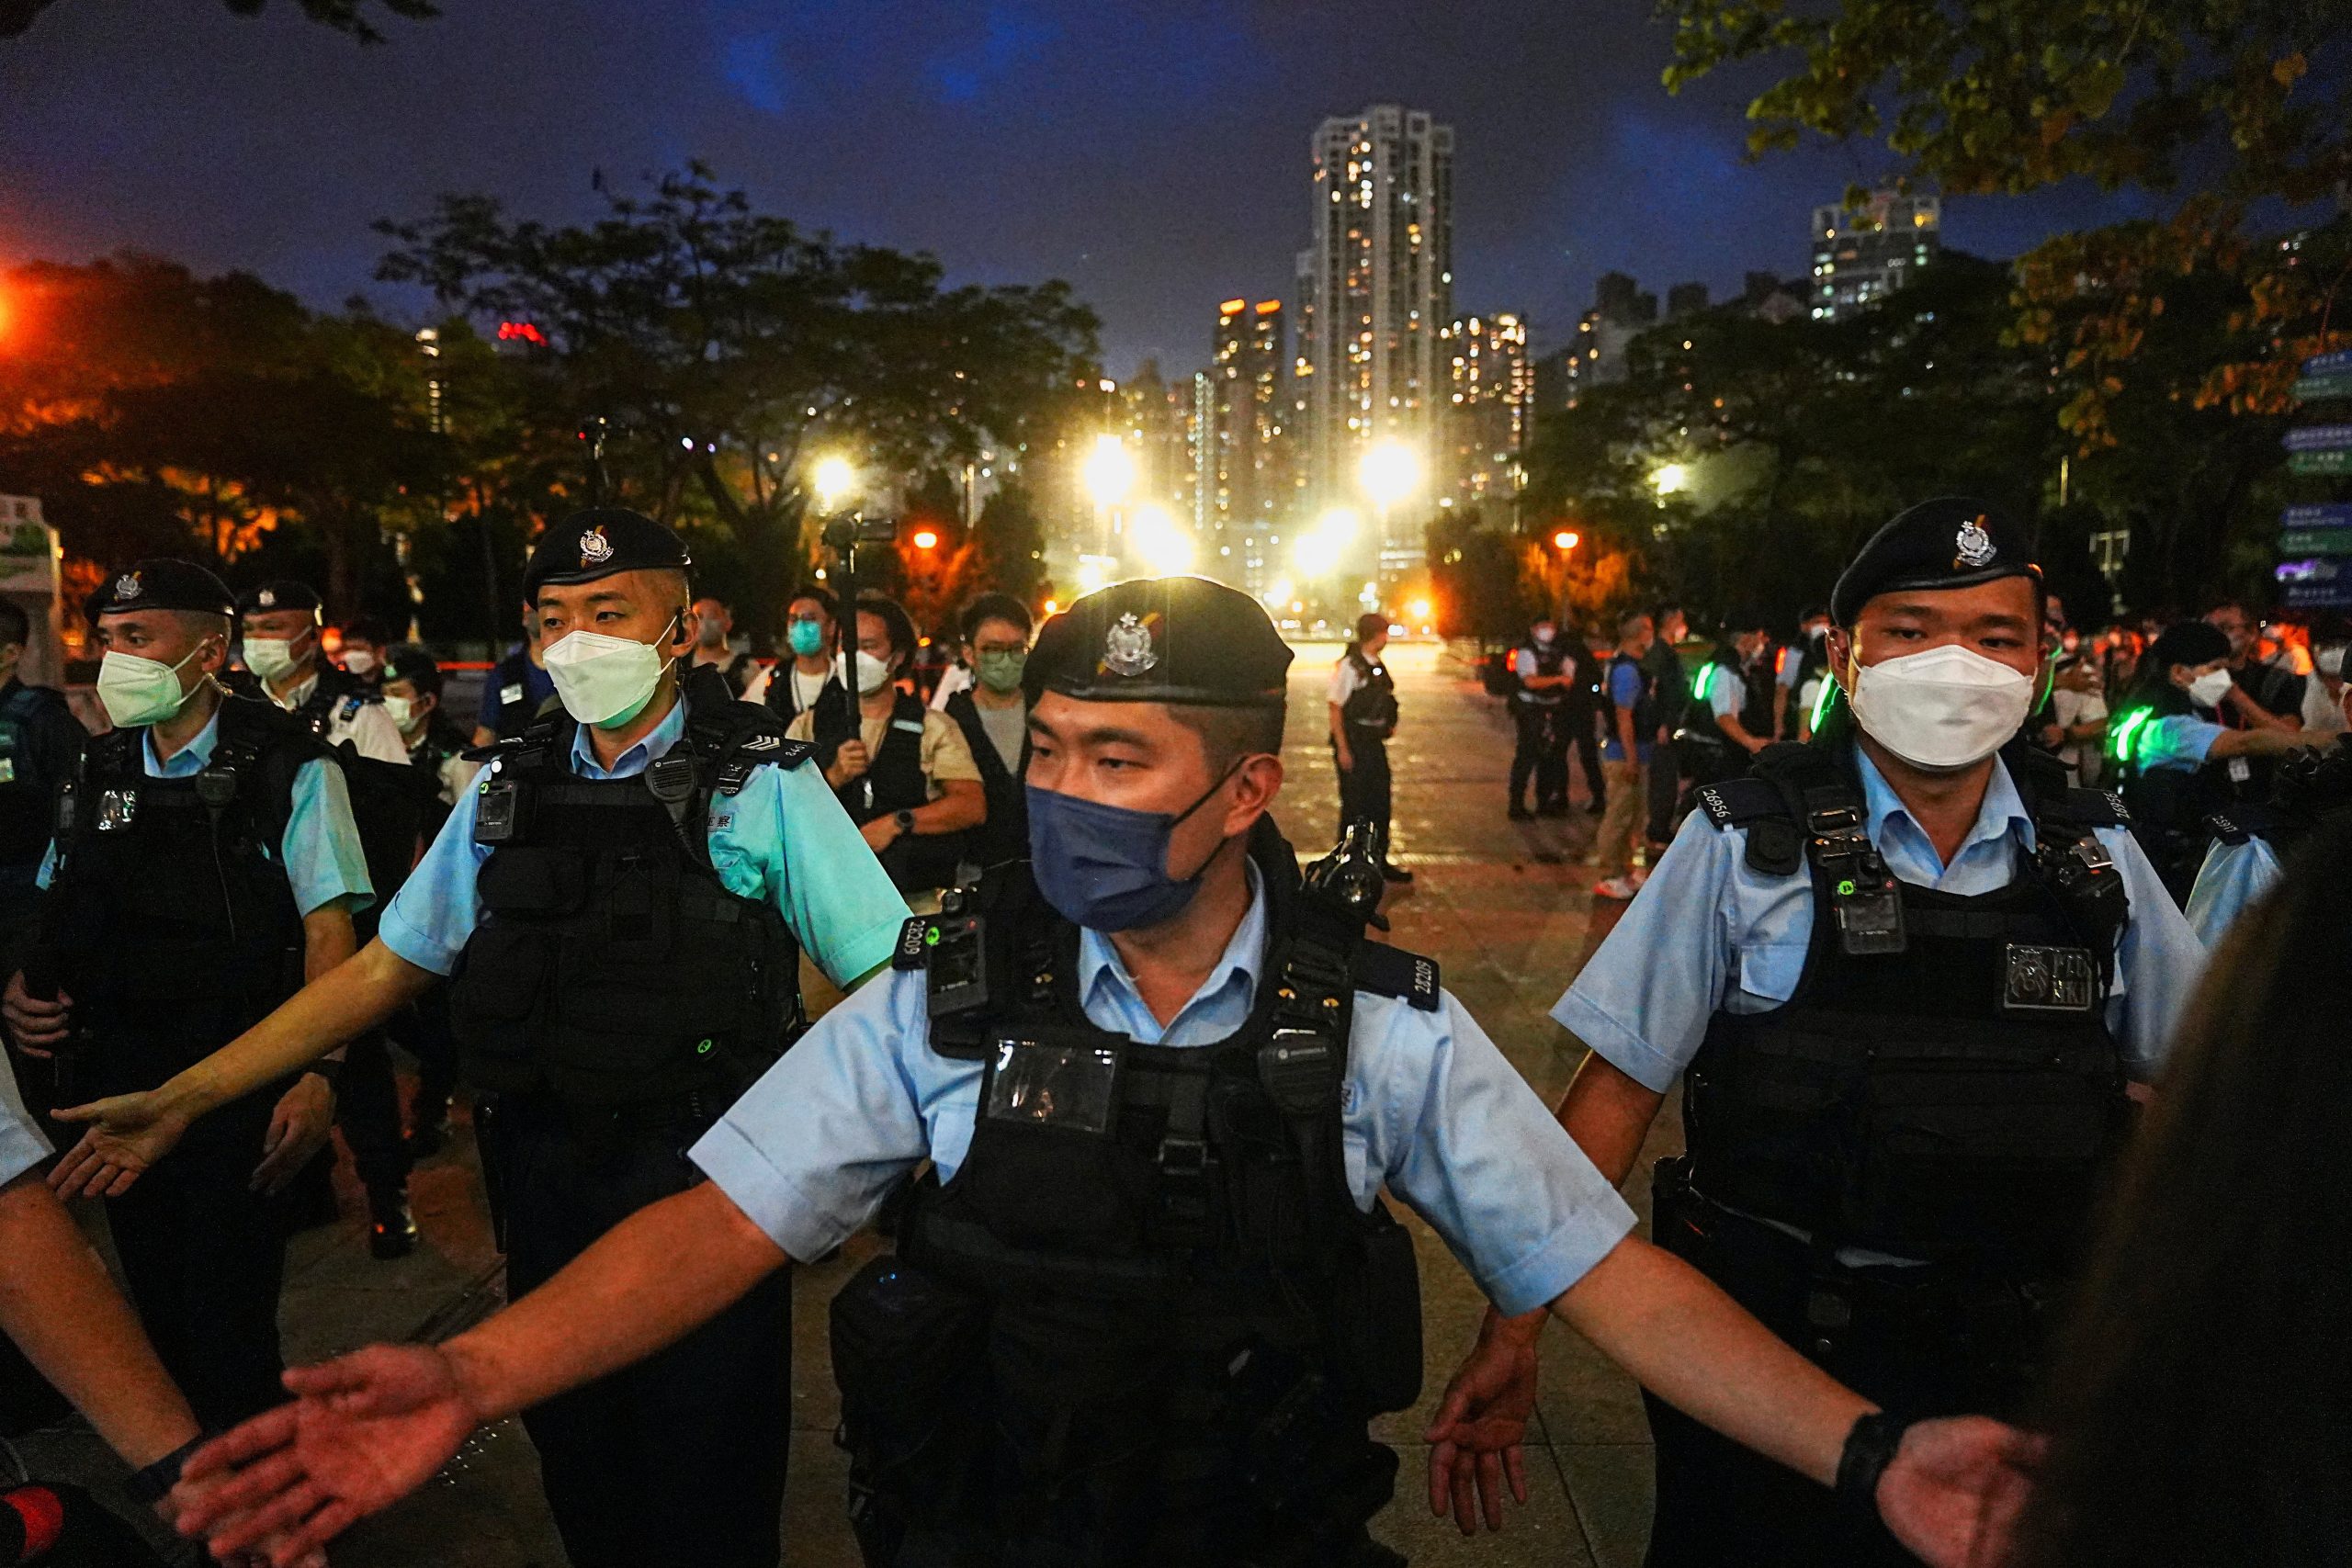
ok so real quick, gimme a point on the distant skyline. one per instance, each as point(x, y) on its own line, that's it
point(1153, 155)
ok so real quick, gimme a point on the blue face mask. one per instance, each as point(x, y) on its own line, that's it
point(1106, 867)
point(807, 638)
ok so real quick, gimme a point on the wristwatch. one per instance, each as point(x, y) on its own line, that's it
point(1870, 1448)
point(151, 1485)
point(906, 821)
point(328, 1069)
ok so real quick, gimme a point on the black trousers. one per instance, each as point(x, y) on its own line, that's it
point(1578, 728)
point(1723, 1506)
point(367, 1109)
point(677, 1461)
point(1364, 789)
point(1666, 791)
point(204, 1257)
point(1540, 753)
point(422, 1029)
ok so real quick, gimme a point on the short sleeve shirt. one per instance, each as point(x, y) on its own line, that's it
point(783, 840)
point(2177, 741)
point(21, 1145)
point(1625, 684)
point(2233, 880)
point(1429, 1109)
point(1346, 680)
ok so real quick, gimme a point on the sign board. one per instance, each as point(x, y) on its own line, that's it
point(2319, 595)
point(28, 553)
point(2315, 542)
point(2313, 568)
point(2336, 462)
point(2317, 514)
point(2320, 438)
point(2336, 364)
point(2318, 388)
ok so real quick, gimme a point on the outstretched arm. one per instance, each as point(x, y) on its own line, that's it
point(369, 1428)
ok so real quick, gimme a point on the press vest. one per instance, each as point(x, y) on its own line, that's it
point(1941, 1085)
point(1371, 709)
point(1145, 1322)
point(612, 967)
point(171, 916)
point(515, 708)
point(1005, 835)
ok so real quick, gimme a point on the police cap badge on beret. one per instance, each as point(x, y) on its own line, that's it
point(279, 593)
point(160, 582)
point(598, 543)
point(1952, 542)
point(1162, 640)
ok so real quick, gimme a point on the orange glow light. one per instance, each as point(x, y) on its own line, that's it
point(1419, 609)
point(1053, 608)
point(926, 540)
point(1565, 539)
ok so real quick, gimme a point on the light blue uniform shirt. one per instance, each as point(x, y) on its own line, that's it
point(2232, 879)
point(21, 1145)
point(1709, 931)
point(1429, 1107)
point(2175, 741)
point(320, 848)
point(782, 841)
point(1726, 692)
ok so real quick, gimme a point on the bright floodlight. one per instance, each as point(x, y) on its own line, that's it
point(1420, 610)
point(1163, 548)
point(1389, 472)
point(836, 479)
point(1277, 592)
point(1109, 472)
point(1671, 478)
point(1341, 524)
point(1318, 552)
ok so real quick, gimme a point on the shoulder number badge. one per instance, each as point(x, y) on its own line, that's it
point(1127, 651)
point(1976, 545)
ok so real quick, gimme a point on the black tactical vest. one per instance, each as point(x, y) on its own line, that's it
point(28, 778)
point(1145, 1322)
point(1005, 835)
point(1549, 660)
point(612, 967)
point(2308, 789)
point(1942, 1084)
point(1371, 709)
point(170, 915)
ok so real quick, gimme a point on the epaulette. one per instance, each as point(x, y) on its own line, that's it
point(742, 737)
point(1387, 971)
point(2242, 824)
point(2089, 808)
point(915, 942)
point(1739, 802)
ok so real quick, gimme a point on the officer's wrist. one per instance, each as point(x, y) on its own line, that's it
point(474, 1373)
point(1869, 1447)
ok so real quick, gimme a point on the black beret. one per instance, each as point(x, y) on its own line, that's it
point(1952, 542)
point(160, 584)
point(279, 593)
point(598, 543)
point(1162, 640)
point(2185, 642)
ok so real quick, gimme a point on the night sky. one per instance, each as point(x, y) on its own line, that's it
point(1153, 153)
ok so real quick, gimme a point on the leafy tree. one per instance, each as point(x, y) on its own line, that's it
point(2238, 101)
point(351, 17)
point(1012, 543)
point(728, 348)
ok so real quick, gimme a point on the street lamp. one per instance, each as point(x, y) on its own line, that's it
point(1110, 475)
point(1566, 539)
point(1163, 548)
point(836, 479)
point(1670, 479)
point(1388, 471)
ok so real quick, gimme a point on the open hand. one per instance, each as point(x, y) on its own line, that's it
point(1954, 1488)
point(364, 1431)
point(304, 1115)
point(1475, 1437)
point(128, 1134)
point(37, 1026)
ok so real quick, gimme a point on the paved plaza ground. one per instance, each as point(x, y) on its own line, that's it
point(1503, 907)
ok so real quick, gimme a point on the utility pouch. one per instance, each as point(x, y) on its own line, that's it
point(909, 1348)
point(1377, 1321)
point(1045, 1167)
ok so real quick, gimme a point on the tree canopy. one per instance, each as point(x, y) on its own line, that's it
point(351, 17)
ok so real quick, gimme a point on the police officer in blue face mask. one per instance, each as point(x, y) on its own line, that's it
point(1904, 974)
point(621, 905)
point(1148, 1294)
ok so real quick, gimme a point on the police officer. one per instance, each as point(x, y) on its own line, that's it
point(437, 751)
point(1670, 694)
point(41, 743)
point(622, 903)
point(1904, 974)
point(1363, 715)
point(345, 708)
point(1729, 718)
point(518, 690)
point(206, 863)
point(2309, 789)
point(1546, 675)
point(2176, 763)
point(1148, 1294)
point(993, 714)
point(1798, 670)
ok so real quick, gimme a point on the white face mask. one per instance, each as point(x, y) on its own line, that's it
point(2209, 689)
point(136, 691)
point(2330, 660)
point(605, 680)
point(872, 673)
point(358, 661)
point(403, 711)
point(271, 658)
point(1943, 708)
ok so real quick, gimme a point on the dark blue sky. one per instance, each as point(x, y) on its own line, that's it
point(1153, 153)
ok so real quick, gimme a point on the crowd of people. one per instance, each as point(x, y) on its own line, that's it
point(1976, 1178)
